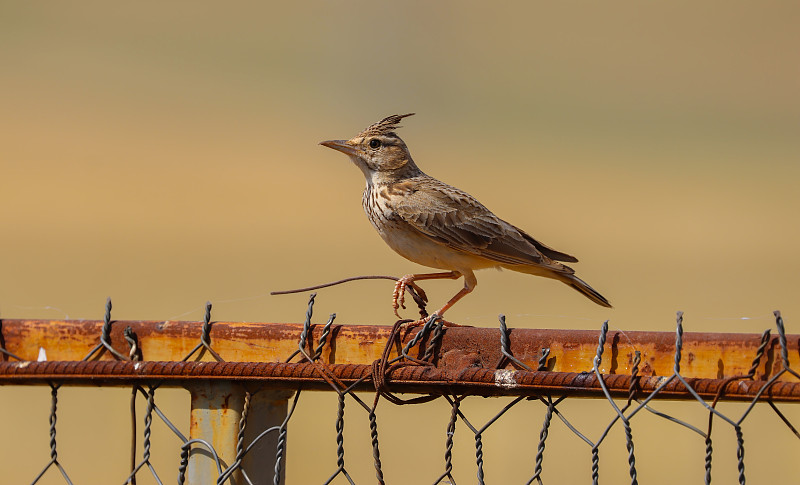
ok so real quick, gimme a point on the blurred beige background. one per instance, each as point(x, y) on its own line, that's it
point(166, 154)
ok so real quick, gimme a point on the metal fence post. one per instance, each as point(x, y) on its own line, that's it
point(267, 409)
point(216, 411)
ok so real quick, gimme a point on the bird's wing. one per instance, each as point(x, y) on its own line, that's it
point(454, 218)
point(547, 250)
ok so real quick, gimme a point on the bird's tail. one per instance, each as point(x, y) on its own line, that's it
point(584, 288)
point(564, 274)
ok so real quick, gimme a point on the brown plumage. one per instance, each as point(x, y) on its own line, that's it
point(440, 226)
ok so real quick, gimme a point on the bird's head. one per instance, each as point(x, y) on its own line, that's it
point(378, 151)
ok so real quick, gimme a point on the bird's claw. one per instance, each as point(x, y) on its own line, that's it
point(423, 321)
point(399, 294)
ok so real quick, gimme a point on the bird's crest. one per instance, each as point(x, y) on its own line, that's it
point(385, 126)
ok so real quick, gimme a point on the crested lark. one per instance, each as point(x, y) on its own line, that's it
point(436, 225)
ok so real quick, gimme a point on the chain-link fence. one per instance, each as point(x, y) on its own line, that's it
point(241, 411)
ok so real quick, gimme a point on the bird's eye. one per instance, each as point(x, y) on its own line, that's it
point(374, 143)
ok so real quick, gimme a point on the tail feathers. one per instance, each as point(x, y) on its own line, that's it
point(565, 274)
point(584, 288)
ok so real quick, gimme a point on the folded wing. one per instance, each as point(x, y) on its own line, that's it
point(454, 218)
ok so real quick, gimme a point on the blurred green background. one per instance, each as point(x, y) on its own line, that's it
point(165, 154)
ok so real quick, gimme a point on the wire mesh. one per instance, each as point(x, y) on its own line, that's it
point(418, 353)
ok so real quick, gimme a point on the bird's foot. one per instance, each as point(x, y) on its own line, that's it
point(399, 293)
point(422, 321)
point(398, 296)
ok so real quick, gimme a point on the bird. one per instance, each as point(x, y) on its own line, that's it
point(440, 226)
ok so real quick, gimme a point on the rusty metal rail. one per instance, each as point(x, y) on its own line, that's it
point(414, 379)
point(705, 355)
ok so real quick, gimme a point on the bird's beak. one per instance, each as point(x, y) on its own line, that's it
point(342, 146)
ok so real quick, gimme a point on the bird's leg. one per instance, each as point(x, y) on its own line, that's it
point(398, 296)
point(461, 294)
point(470, 282)
point(422, 321)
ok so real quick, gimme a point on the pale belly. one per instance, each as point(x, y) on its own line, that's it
point(418, 248)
